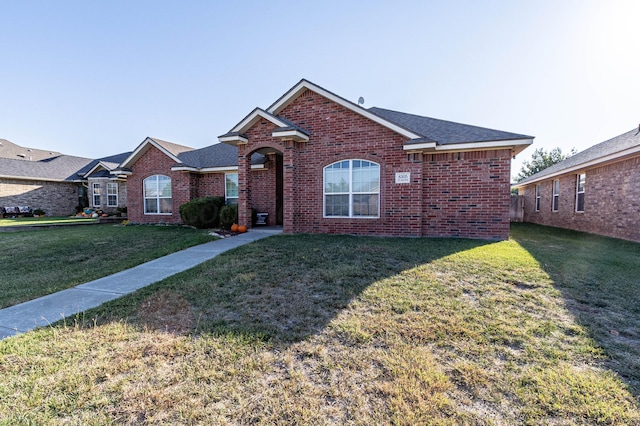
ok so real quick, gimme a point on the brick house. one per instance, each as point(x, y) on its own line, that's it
point(57, 183)
point(594, 191)
point(317, 163)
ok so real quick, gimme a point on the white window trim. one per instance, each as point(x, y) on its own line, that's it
point(226, 196)
point(537, 200)
point(578, 192)
point(158, 198)
point(112, 185)
point(555, 196)
point(95, 194)
point(350, 193)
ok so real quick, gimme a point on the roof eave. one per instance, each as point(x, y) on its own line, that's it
point(617, 156)
point(516, 146)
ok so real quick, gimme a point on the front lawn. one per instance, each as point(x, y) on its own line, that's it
point(39, 262)
point(41, 221)
point(314, 329)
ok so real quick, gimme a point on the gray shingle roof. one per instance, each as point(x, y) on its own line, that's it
point(62, 167)
point(620, 143)
point(112, 162)
point(9, 149)
point(441, 131)
point(217, 155)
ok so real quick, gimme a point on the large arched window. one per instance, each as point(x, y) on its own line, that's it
point(157, 195)
point(352, 189)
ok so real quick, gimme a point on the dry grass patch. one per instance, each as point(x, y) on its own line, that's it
point(329, 330)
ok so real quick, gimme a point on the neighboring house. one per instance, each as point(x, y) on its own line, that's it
point(164, 175)
point(317, 163)
point(594, 191)
point(58, 183)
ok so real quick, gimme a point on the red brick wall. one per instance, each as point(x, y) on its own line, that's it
point(209, 185)
point(612, 201)
point(464, 195)
point(154, 162)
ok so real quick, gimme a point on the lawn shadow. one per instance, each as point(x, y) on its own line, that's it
point(599, 279)
point(286, 287)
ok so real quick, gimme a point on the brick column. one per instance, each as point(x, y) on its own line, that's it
point(244, 186)
point(288, 183)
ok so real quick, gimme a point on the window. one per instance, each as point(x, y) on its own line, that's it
point(556, 195)
point(112, 194)
point(231, 188)
point(538, 197)
point(580, 192)
point(96, 194)
point(157, 195)
point(352, 189)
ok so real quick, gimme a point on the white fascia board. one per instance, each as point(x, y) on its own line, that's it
point(481, 146)
point(34, 178)
point(184, 169)
point(256, 114)
point(612, 158)
point(215, 169)
point(141, 150)
point(234, 140)
point(304, 84)
point(94, 168)
point(517, 145)
point(420, 146)
point(296, 135)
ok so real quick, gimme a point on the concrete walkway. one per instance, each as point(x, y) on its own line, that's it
point(49, 309)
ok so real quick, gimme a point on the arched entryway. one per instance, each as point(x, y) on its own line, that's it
point(265, 189)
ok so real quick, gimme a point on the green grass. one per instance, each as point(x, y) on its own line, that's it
point(43, 261)
point(40, 221)
point(313, 329)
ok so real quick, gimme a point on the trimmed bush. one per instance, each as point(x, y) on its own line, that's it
point(202, 213)
point(228, 215)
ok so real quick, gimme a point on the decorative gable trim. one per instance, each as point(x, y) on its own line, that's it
point(142, 149)
point(303, 85)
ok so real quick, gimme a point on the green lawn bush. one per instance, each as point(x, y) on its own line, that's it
point(202, 213)
point(228, 215)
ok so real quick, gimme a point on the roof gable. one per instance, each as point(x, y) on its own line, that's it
point(170, 149)
point(303, 85)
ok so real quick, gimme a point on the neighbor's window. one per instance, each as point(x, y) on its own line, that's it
point(352, 189)
point(112, 194)
point(580, 192)
point(538, 197)
point(96, 194)
point(231, 188)
point(556, 195)
point(157, 195)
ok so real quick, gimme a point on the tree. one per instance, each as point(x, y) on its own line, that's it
point(540, 160)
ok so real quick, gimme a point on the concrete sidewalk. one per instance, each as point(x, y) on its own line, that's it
point(49, 309)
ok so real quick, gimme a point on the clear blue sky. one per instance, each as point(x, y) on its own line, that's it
point(94, 78)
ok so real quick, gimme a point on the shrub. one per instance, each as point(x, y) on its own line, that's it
point(228, 215)
point(202, 212)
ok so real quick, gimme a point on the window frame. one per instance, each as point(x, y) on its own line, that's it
point(538, 197)
point(555, 195)
point(351, 193)
point(95, 194)
point(231, 199)
point(581, 178)
point(157, 197)
point(110, 195)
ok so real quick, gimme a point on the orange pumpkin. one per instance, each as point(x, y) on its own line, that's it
point(242, 229)
point(234, 227)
